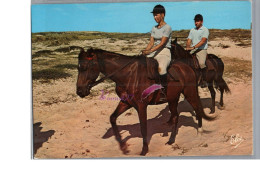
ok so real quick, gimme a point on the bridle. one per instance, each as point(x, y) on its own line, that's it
point(109, 75)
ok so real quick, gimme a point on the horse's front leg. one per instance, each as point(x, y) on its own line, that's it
point(173, 121)
point(121, 108)
point(142, 113)
point(221, 97)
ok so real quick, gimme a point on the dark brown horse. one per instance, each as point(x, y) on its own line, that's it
point(130, 75)
point(214, 75)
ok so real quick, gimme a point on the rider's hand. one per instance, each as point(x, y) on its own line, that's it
point(190, 48)
point(146, 52)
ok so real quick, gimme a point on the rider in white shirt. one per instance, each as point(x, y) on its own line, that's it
point(197, 42)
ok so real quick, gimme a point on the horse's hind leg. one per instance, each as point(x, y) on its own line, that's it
point(173, 119)
point(221, 97)
point(222, 87)
point(121, 108)
point(213, 97)
point(191, 94)
point(142, 113)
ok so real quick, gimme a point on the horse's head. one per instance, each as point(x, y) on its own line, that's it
point(88, 71)
point(178, 51)
point(174, 48)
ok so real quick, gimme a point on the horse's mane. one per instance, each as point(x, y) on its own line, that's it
point(114, 53)
point(182, 54)
point(140, 58)
point(179, 47)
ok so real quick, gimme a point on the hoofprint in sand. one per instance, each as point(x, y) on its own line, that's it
point(66, 126)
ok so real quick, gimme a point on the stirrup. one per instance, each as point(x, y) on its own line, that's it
point(203, 84)
point(163, 95)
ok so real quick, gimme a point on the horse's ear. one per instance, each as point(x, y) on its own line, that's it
point(91, 50)
point(82, 50)
point(175, 41)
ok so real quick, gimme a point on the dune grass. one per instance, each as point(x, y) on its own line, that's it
point(66, 66)
point(63, 38)
point(53, 57)
point(241, 36)
point(59, 38)
point(49, 74)
point(237, 68)
point(42, 53)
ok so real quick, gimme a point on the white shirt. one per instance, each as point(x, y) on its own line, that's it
point(197, 34)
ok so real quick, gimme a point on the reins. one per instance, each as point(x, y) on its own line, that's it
point(110, 75)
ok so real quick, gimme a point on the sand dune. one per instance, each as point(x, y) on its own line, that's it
point(66, 126)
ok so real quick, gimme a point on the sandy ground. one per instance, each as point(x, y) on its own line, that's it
point(66, 126)
point(232, 49)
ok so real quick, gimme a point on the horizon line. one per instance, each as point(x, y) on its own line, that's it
point(138, 32)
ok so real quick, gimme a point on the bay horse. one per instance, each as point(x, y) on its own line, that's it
point(130, 75)
point(214, 72)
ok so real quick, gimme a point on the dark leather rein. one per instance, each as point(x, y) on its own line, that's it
point(113, 73)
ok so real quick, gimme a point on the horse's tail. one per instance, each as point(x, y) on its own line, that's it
point(202, 113)
point(191, 92)
point(223, 85)
point(206, 117)
point(219, 81)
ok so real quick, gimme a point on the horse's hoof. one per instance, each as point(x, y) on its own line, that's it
point(221, 107)
point(123, 147)
point(200, 130)
point(144, 152)
point(212, 111)
point(170, 142)
point(126, 151)
point(164, 134)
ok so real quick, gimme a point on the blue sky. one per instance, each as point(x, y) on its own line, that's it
point(136, 17)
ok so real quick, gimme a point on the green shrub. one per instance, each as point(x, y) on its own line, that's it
point(42, 53)
point(66, 66)
point(48, 74)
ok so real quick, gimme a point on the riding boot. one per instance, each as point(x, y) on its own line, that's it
point(163, 79)
point(203, 80)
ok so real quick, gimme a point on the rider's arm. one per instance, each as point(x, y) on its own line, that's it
point(189, 40)
point(205, 35)
point(203, 40)
point(150, 44)
point(188, 43)
point(161, 44)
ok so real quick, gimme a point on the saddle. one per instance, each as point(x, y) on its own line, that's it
point(209, 64)
point(152, 70)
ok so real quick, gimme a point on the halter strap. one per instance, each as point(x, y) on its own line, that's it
point(113, 73)
point(89, 58)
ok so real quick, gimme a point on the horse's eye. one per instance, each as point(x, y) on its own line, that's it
point(79, 67)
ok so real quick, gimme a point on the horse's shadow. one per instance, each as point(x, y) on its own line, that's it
point(158, 123)
point(40, 137)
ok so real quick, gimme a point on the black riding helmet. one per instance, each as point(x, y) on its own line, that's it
point(198, 17)
point(158, 9)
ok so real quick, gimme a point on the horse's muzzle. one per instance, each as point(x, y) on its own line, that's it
point(82, 92)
